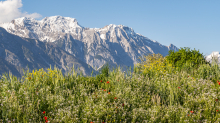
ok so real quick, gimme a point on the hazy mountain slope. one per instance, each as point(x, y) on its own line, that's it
point(16, 53)
point(113, 44)
point(213, 54)
point(5, 67)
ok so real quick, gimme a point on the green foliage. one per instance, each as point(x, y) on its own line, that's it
point(152, 65)
point(161, 96)
point(185, 58)
point(209, 72)
point(137, 68)
point(104, 73)
point(105, 70)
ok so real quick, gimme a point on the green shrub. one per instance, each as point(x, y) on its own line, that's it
point(105, 70)
point(152, 65)
point(209, 72)
point(186, 58)
point(103, 73)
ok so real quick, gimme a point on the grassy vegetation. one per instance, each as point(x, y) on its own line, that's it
point(156, 92)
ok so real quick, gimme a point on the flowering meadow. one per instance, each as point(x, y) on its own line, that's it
point(152, 93)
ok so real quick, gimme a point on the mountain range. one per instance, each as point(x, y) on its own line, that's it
point(22, 53)
point(61, 41)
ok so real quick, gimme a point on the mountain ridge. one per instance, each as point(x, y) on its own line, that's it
point(117, 45)
point(17, 53)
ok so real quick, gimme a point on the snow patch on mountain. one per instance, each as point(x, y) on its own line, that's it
point(102, 36)
point(214, 54)
point(48, 29)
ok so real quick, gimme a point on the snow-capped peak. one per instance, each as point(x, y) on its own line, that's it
point(116, 44)
point(20, 20)
point(118, 26)
point(213, 55)
point(112, 26)
point(47, 29)
point(61, 21)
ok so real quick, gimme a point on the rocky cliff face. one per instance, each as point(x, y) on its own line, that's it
point(113, 44)
point(18, 53)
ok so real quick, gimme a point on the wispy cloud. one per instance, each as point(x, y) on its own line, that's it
point(10, 9)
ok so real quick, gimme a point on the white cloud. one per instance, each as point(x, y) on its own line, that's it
point(10, 9)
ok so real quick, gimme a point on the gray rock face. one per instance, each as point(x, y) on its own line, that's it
point(17, 53)
point(113, 44)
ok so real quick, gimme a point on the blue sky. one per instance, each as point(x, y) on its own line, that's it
point(185, 23)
